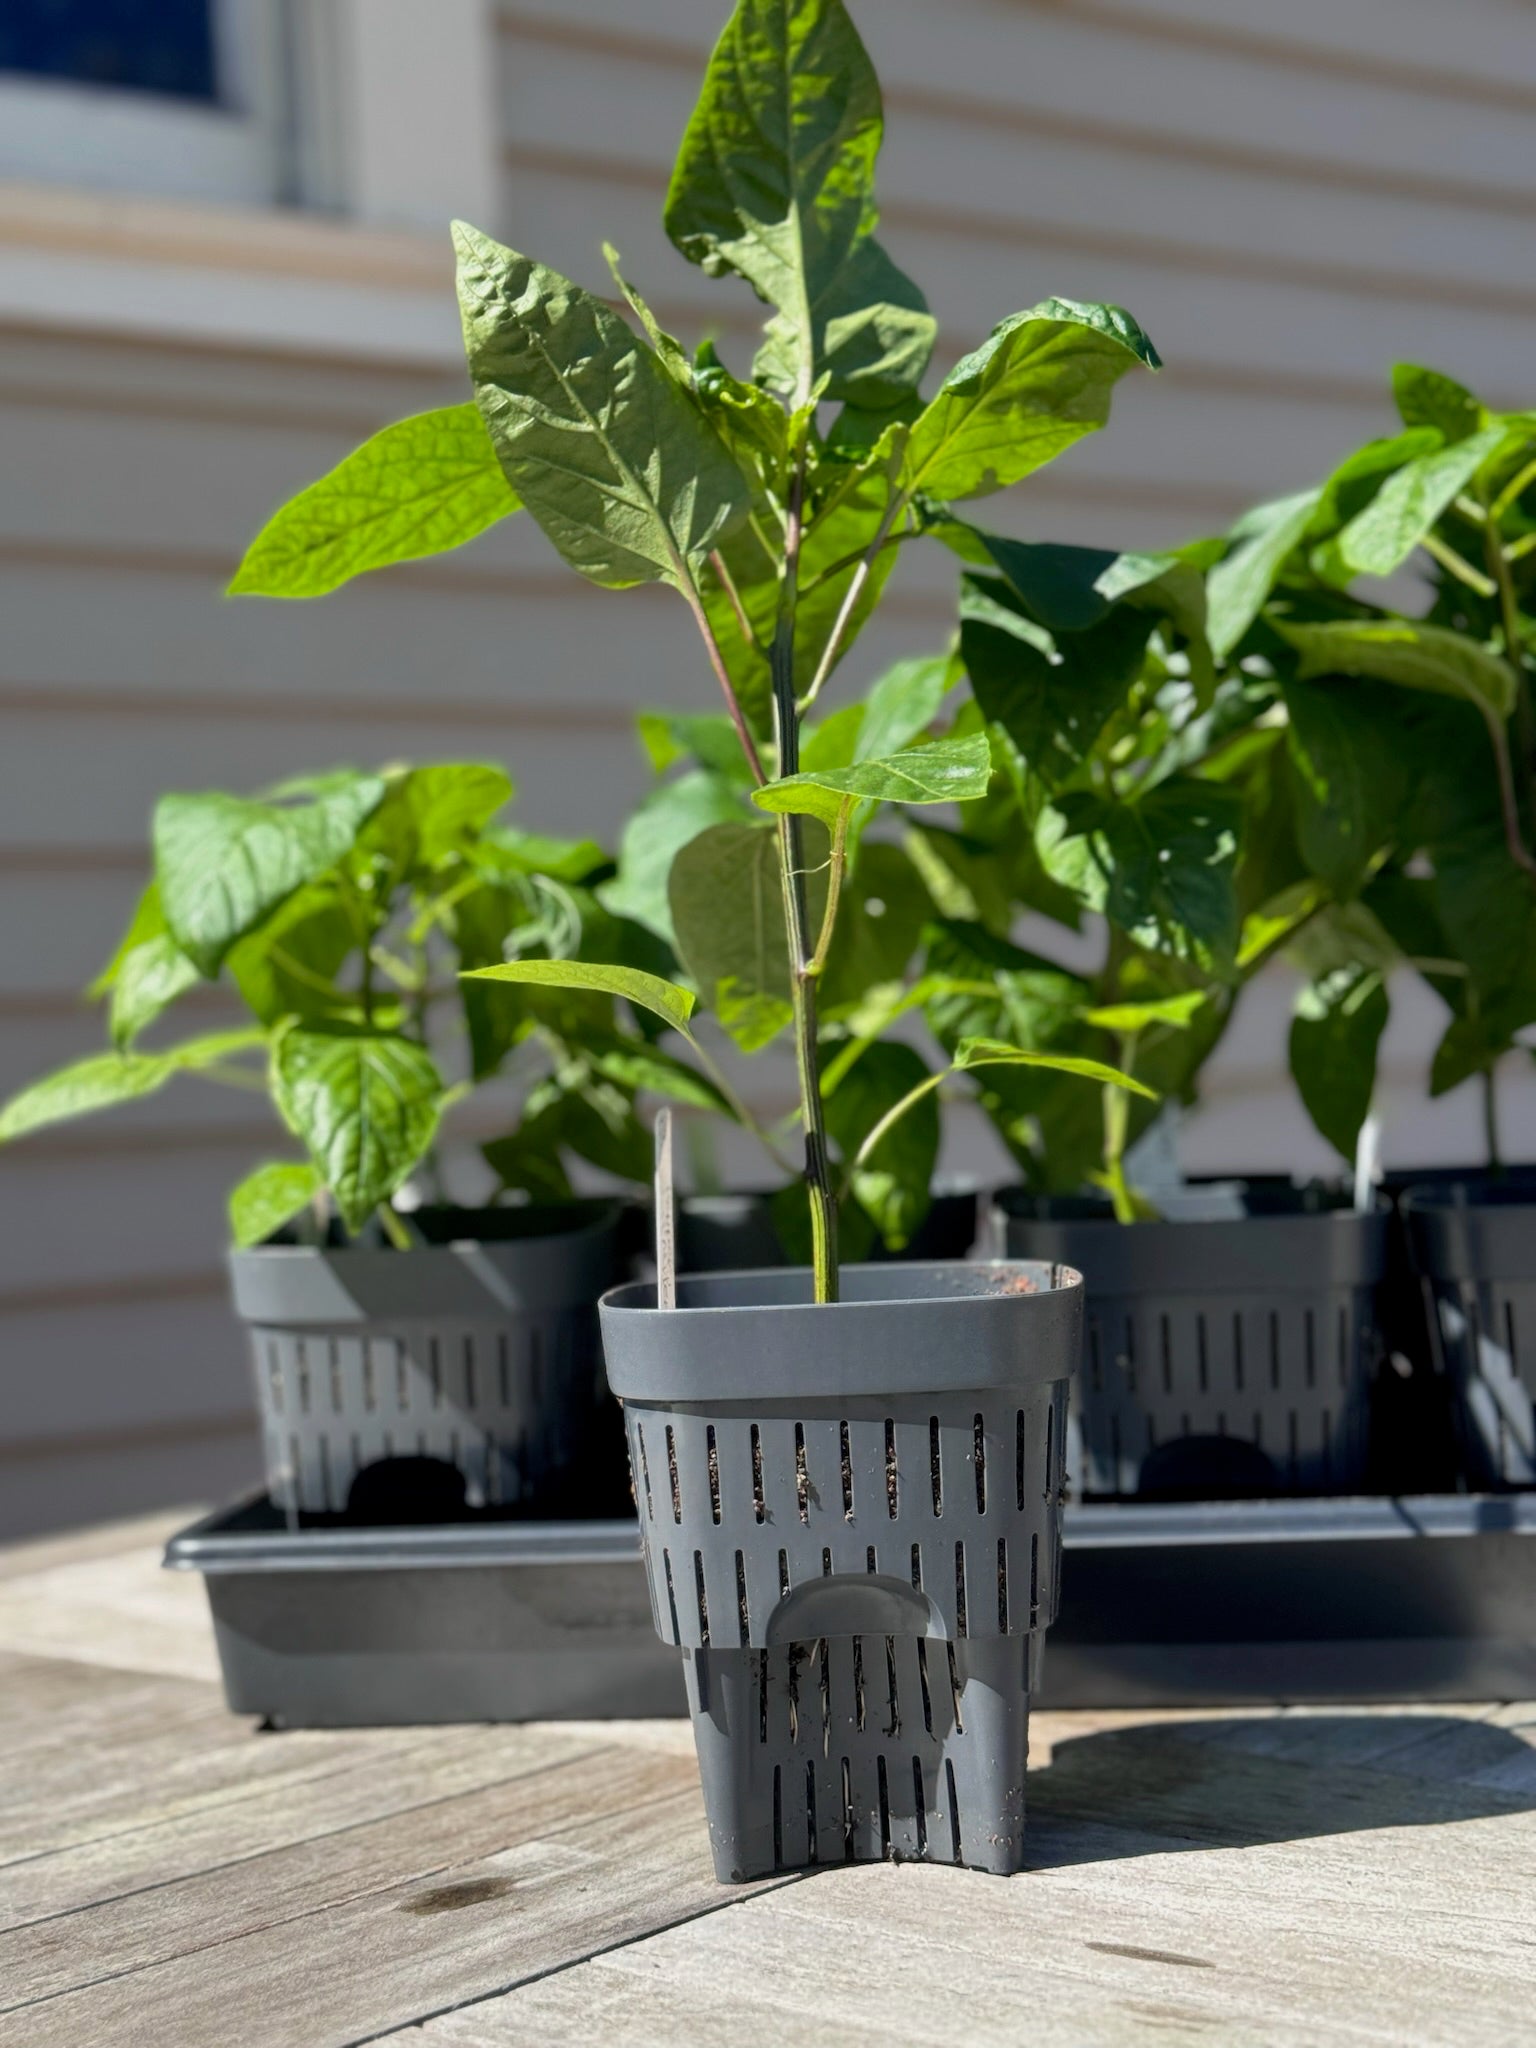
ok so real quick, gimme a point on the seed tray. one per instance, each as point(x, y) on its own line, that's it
point(1432, 1598)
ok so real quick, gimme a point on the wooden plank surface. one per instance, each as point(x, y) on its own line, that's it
point(170, 1875)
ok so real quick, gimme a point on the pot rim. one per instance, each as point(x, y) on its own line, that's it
point(589, 1218)
point(915, 1327)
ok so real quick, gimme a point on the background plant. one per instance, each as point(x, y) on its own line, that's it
point(338, 910)
point(774, 507)
point(1125, 819)
point(1407, 777)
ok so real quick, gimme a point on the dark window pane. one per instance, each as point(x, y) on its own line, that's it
point(161, 46)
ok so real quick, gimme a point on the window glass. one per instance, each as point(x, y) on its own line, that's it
point(162, 46)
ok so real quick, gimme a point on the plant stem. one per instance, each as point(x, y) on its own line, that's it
point(393, 1228)
point(738, 1108)
point(818, 959)
point(894, 1115)
point(1515, 489)
point(722, 675)
point(818, 1176)
point(845, 610)
point(1117, 1120)
point(1459, 566)
point(717, 563)
point(1525, 727)
point(1491, 1120)
point(1509, 803)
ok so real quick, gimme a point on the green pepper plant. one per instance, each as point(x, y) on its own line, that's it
point(774, 506)
point(337, 910)
point(1408, 772)
point(1126, 820)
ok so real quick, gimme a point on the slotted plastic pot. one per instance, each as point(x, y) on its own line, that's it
point(1473, 1244)
point(478, 1349)
point(851, 1525)
point(1230, 1350)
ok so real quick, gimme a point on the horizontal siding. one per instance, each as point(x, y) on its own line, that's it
point(1288, 199)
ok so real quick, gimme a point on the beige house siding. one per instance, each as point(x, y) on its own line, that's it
point(1288, 200)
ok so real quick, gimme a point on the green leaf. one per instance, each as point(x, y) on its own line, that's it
point(146, 973)
point(644, 1070)
point(963, 876)
point(880, 920)
point(365, 1105)
point(1488, 909)
point(1236, 589)
point(1067, 589)
point(1041, 381)
point(1335, 1032)
point(1354, 792)
point(100, 1081)
point(872, 336)
point(270, 1197)
point(1177, 1012)
point(509, 849)
point(223, 863)
point(599, 1125)
point(147, 922)
point(664, 823)
point(287, 967)
point(429, 813)
point(612, 458)
point(749, 420)
point(832, 742)
point(990, 1052)
point(417, 488)
point(708, 739)
point(1402, 651)
point(1383, 536)
point(987, 987)
point(728, 912)
point(944, 771)
point(528, 1159)
point(1053, 699)
point(670, 350)
point(105, 1079)
point(892, 1184)
point(842, 528)
point(902, 704)
point(775, 182)
point(1165, 863)
point(1467, 1048)
point(148, 981)
point(1350, 487)
point(1428, 398)
point(664, 999)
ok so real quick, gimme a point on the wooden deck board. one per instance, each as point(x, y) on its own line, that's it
point(1266, 1879)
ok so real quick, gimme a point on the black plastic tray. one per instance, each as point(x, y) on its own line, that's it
point(1429, 1598)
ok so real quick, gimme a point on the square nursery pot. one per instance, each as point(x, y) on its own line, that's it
point(1231, 1350)
point(1473, 1244)
point(851, 1525)
point(477, 1351)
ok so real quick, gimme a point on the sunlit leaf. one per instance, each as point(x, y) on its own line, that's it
point(417, 488)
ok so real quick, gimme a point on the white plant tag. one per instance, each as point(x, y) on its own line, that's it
point(666, 1215)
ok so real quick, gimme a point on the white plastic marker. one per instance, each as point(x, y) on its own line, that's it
point(666, 1215)
point(1367, 1164)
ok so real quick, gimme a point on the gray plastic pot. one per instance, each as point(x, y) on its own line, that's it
point(1473, 1244)
point(851, 1523)
point(1225, 1354)
point(479, 1350)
